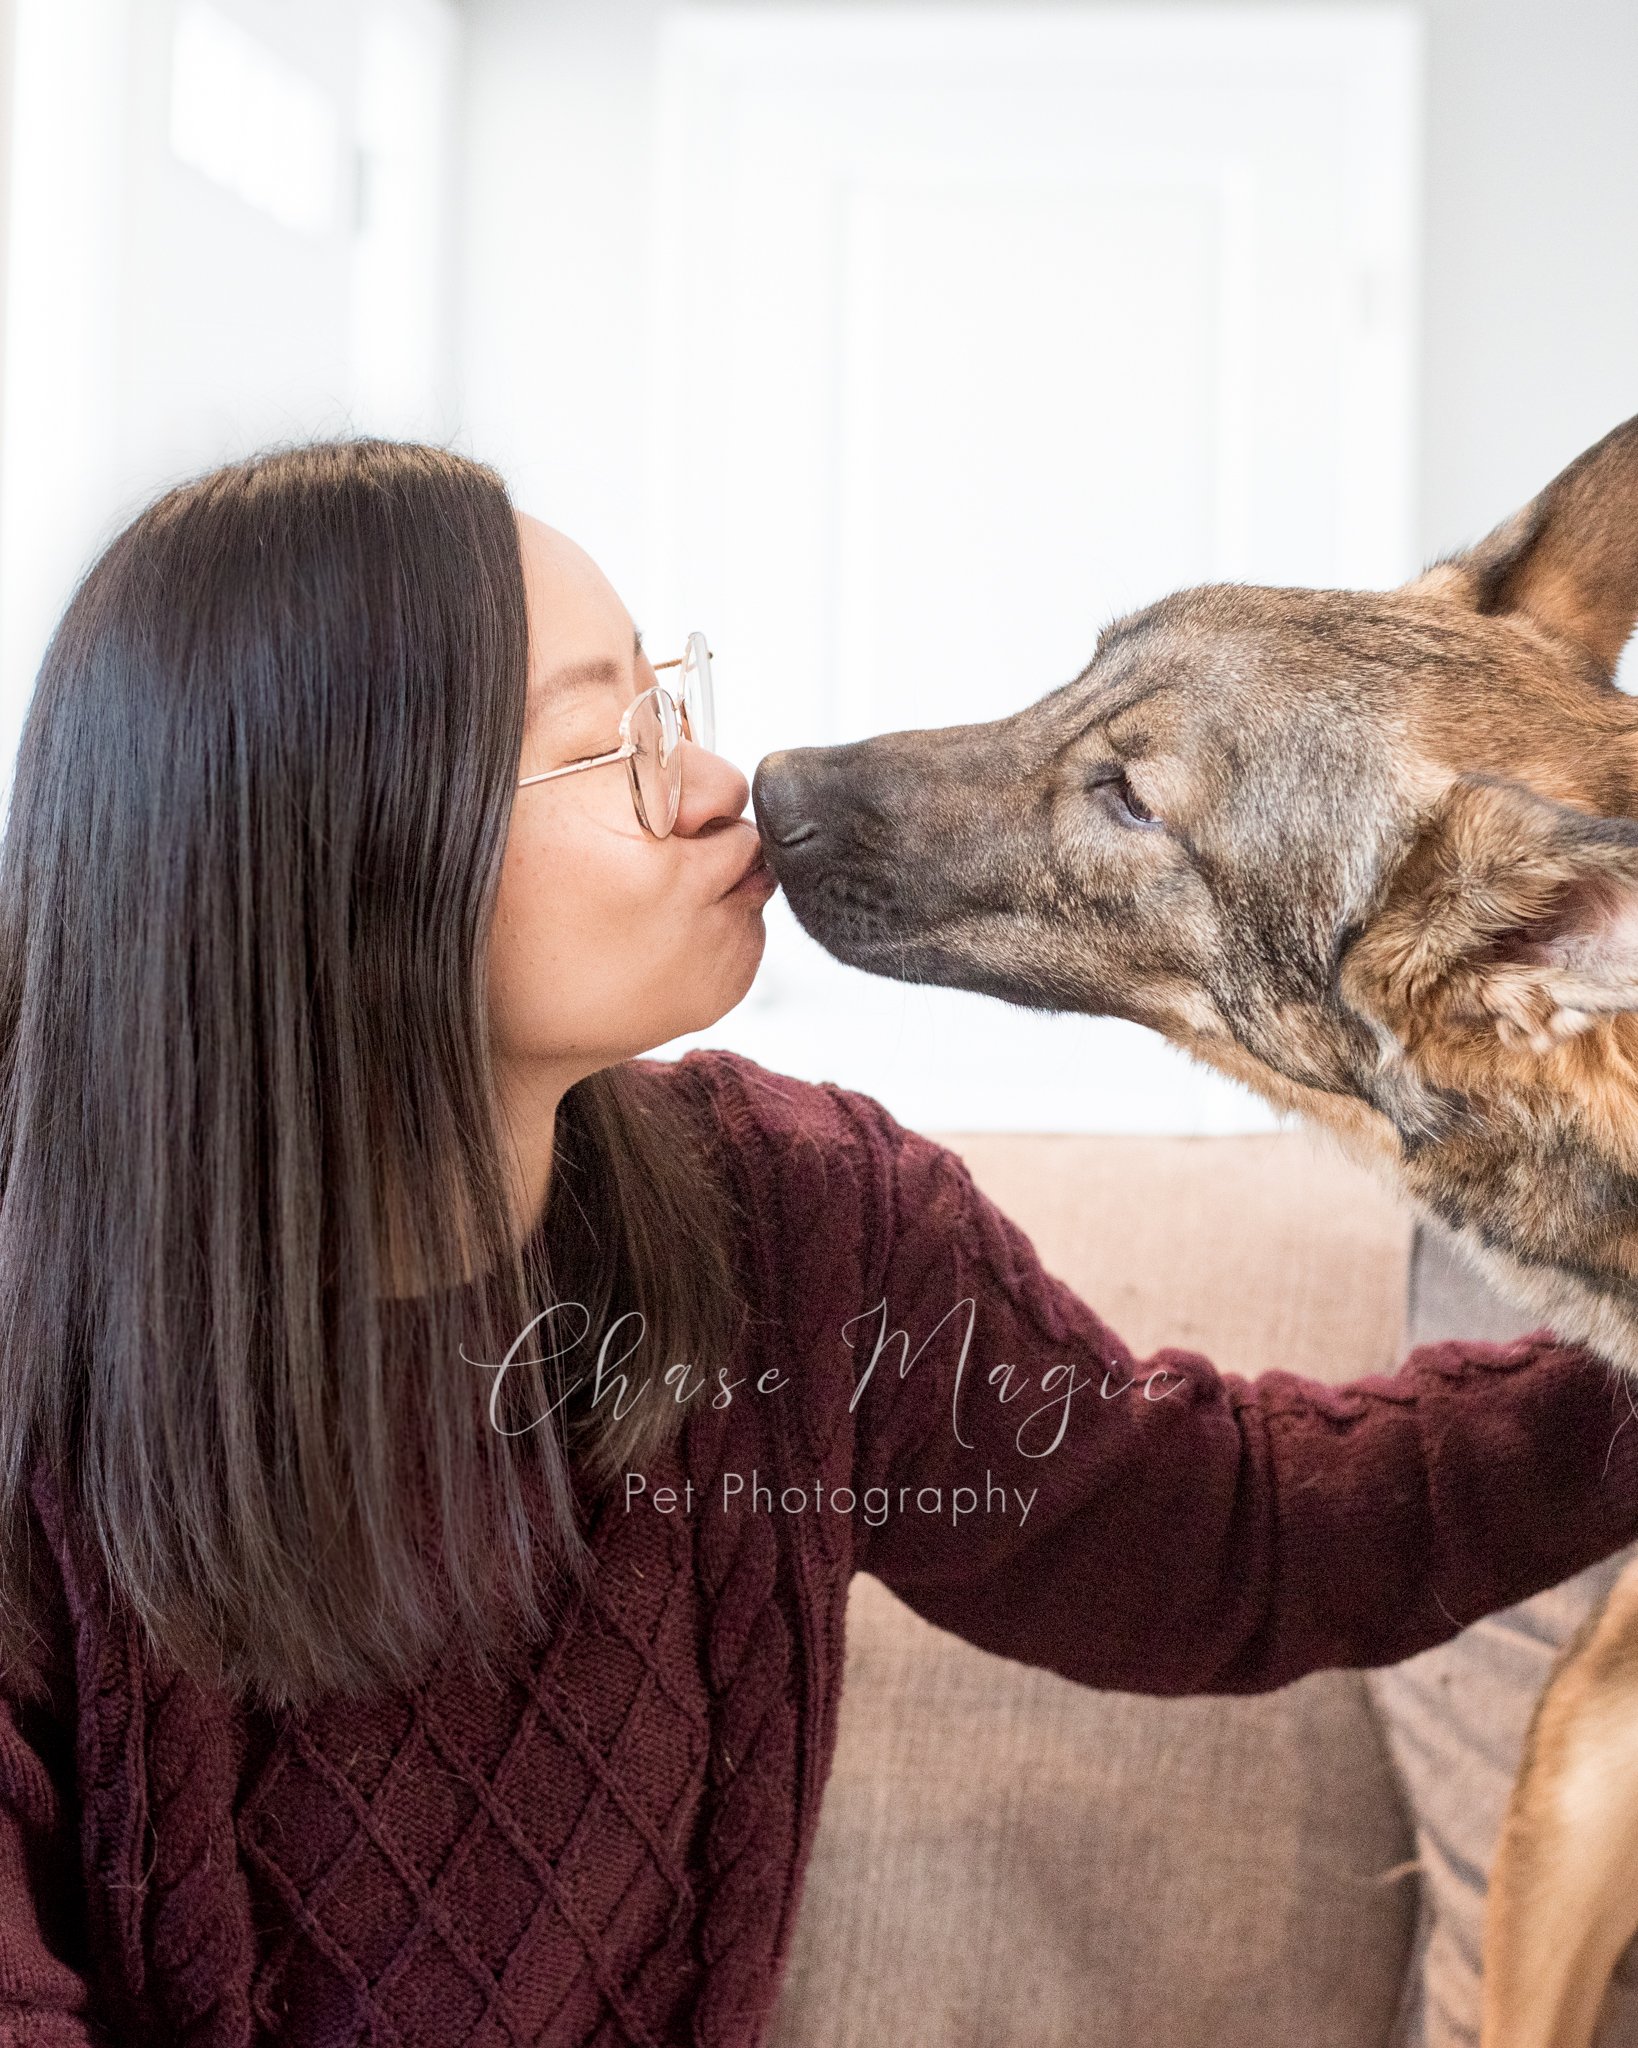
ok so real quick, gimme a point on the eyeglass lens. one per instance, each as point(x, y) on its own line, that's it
point(697, 698)
point(657, 730)
point(656, 765)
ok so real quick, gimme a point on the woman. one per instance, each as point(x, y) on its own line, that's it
point(437, 1441)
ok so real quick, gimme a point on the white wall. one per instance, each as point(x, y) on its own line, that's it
point(559, 113)
point(8, 53)
point(1530, 284)
point(58, 396)
point(159, 321)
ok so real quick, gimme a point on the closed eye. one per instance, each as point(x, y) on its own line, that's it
point(1111, 788)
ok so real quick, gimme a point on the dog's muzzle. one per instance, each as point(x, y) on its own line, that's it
point(827, 816)
point(892, 854)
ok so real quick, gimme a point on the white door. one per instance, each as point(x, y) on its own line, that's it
point(976, 327)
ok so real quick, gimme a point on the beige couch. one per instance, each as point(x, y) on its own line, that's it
point(1005, 1857)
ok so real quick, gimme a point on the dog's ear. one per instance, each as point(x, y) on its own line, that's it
point(1509, 911)
point(1568, 561)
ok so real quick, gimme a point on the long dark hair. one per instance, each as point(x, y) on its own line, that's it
point(246, 883)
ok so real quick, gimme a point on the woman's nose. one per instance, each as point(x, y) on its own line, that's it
point(712, 788)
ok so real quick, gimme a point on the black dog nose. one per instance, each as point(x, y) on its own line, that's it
point(783, 797)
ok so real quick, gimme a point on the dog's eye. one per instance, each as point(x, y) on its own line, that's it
point(1127, 807)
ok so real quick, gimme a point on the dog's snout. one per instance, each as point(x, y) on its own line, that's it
point(785, 801)
point(869, 870)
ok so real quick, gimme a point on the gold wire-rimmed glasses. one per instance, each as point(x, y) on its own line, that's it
point(650, 731)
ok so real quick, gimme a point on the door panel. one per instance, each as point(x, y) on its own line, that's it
point(983, 327)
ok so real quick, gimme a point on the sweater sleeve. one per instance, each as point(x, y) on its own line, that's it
point(44, 2003)
point(1157, 1526)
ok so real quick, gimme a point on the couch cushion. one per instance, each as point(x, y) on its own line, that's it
point(1005, 1857)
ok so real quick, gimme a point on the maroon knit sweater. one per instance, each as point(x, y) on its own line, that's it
point(610, 1846)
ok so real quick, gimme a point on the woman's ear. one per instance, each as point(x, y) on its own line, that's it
point(1568, 562)
point(1508, 911)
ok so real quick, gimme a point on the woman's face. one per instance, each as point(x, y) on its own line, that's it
point(608, 942)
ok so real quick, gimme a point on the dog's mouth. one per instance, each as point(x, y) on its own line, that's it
point(856, 914)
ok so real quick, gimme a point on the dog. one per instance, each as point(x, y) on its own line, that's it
point(1375, 855)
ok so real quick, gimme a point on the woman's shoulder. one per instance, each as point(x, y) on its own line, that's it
point(761, 1111)
point(812, 1163)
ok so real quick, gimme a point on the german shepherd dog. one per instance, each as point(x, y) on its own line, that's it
point(1374, 854)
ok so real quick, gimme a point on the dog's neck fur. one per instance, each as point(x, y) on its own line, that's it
point(1530, 1160)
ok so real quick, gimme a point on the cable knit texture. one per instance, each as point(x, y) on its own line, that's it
point(609, 1846)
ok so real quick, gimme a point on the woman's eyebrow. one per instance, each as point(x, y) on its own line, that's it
point(596, 674)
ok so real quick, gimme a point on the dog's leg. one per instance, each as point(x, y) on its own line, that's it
point(1563, 1896)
